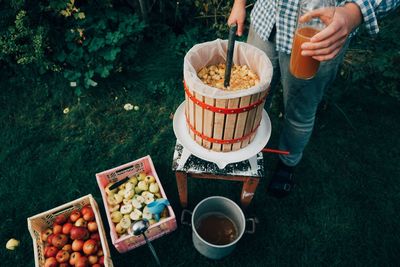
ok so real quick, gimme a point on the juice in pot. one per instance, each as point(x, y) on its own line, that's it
point(303, 67)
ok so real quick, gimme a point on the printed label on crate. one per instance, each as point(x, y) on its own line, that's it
point(127, 171)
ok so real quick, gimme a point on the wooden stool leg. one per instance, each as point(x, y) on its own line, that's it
point(181, 181)
point(248, 190)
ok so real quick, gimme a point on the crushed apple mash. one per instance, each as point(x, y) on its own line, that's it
point(242, 77)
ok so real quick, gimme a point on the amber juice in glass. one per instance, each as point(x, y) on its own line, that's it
point(305, 67)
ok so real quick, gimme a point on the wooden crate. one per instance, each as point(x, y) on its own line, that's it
point(223, 125)
point(164, 226)
point(38, 223)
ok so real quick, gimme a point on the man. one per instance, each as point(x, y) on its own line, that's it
point(272, 28)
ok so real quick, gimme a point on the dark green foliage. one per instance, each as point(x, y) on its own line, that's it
point(344, 211)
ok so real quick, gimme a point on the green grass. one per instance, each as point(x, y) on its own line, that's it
point(345, 211)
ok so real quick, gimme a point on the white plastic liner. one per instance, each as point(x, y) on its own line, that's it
point(214, 52)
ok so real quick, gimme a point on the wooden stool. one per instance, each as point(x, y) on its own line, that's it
point(248, 171)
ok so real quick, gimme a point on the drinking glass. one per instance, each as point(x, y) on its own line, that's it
point(318, 14)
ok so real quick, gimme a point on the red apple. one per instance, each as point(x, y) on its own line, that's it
point(75, 215)
point(89, 216)
point(86, 208)
point(45, 234)
point(59, 240)
point(67, 247)
point(90, 247)
point(96, 236)
point(74, 257)
point(50, 252)
point(67, 228)
point(96, 265)
point(57, 229)
point(77, 245)
point(61, 219)
point(81, 222)
point(100, 252)
point(79, 233)
point(51, 262)
point(92, 226)
point(82, 262)
point(64, 264)
point(101, 260)
point(92, 259)
point(62, 256)
point(50, 238)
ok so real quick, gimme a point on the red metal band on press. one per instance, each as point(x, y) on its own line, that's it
point(220, 109)
point(219, 141)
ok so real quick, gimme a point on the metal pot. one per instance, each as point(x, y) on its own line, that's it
point(221, 205)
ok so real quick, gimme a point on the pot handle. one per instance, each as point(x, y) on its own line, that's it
point(183, 215)
point(253, 222)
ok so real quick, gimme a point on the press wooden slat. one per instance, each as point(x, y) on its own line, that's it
point(259, 112)
point(219, 124)
point(250, 120)
point(191, 115)
point(208, 122)
point(241, 121)
point(199, 118)
point(230, 124)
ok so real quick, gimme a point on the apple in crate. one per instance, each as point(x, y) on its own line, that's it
point(51, 262)
point(93, 259)
point(92, 226)
point(66, 229)
point(68, 247)
point(82, 261)
point(57, 228)
point(59, 240)
point(50, 251)
point(77, 245)
point(45, 234)
point(74, 257)
point(61, 219)
point(62, 256)
point(90, 247)
point(79, 233)
point(74, 216)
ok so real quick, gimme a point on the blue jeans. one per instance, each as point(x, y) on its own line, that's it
point(300, 97)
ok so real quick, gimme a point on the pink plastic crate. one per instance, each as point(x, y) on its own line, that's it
point(38, 223)
point(164, 226)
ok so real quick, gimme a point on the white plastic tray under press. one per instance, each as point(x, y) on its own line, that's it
point(221, 158)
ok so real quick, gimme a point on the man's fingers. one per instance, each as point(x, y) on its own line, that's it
point(239, 31)
point(324, 50)
point(329, 56)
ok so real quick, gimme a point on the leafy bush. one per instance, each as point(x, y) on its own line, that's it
point(82, 40)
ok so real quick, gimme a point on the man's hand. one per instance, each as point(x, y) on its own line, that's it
point(238, 15)
point(326, 44)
